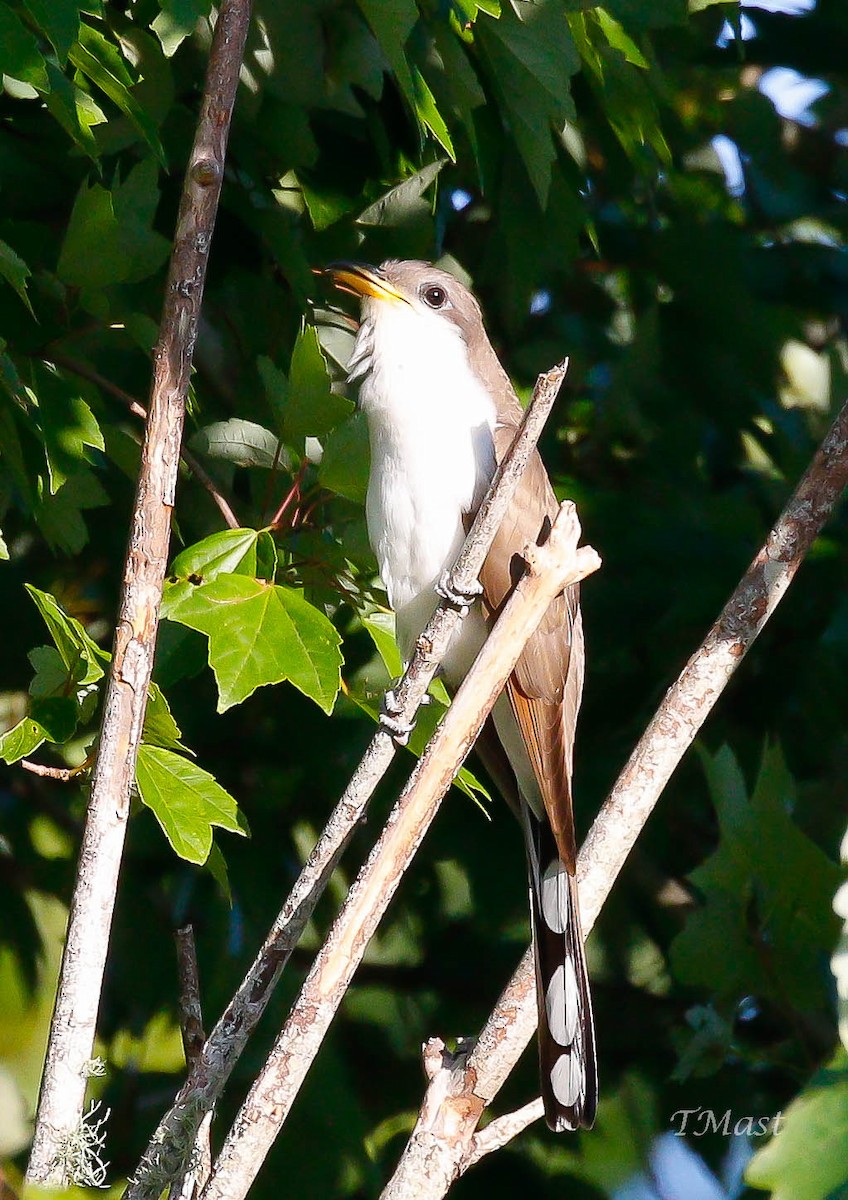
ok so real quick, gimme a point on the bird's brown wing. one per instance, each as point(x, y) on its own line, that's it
point(547, 683)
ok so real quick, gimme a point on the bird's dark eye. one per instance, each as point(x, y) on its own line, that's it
point(435, 296)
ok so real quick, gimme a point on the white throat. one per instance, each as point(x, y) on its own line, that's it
point(430, 423)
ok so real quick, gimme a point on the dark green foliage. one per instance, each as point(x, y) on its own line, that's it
point(562, 156)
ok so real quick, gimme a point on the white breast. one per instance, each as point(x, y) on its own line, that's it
point(432, 454)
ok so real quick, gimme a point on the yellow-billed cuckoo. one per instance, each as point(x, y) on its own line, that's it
point(441, 413)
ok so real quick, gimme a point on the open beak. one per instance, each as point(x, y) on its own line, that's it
point(360, 279)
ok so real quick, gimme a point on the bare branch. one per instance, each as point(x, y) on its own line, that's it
point(199, 1165)
point(550, 568)
point(502, 1130)
point(191, 1014)
point(428, 1166)
point(71, 1040)
point(162, 1157)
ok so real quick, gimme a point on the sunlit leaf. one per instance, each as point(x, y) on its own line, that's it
point(232, 551)
point(187, 801)
point(82, 657)
point(160, 728)
point(50, 720)
point(101, 62)
point(259, 634)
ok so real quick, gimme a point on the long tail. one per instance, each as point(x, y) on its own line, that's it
point(568, 1066)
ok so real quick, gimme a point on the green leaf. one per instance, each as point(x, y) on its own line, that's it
point(74, 109)
point(266, 556)
point(241, 442)
point(305, 403)
point(51, 720)
point(82, 657)
point(102, 63)
point(404, 201)
point(11, 447)
point(424, 105)
point(59, 516)
point(624, 93)
point(119, 224)
point(4, 549)
point(176, 21)
point(392, 22)
point(380, 627)
point(232, 551)
point(187, 801)
point(15, 271)
point(51, 673)
point(807, 1158)
point(620, 40)
point(21, 740)
point(58, 20)
point(67, 423)
point(529, 64)
point(260, 634)
point(216, 865)
point(92, 223)
point(20, 56)
point(639, 15)
point(346, 460)
point(766, 884)
point(160, 728)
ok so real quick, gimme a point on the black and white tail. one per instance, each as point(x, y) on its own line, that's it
point(568, 1067)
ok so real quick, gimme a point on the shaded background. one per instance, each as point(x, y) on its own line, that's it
point(657, 191)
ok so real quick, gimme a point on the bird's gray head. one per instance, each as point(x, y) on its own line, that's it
point(416, 313)
point(418, 287)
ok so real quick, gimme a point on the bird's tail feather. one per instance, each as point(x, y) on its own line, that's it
point(569, 1076)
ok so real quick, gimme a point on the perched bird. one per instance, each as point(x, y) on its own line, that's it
point(441, 413)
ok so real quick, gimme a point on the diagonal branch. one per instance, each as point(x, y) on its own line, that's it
point(174, 1135)
point(71, 1040)
point(443, 1144)
point(550, 568)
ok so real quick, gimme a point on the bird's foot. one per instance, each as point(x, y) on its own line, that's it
point(461, 600)
point(390, 719)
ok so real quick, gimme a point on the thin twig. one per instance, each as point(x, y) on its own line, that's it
point(428, 1166)
point(290, 495)
point(84, 371)
point(191, 1013)
point(162, 1157)
point(63, 774)
point(550, 568)
point(199, 1165)
point(71, 1040)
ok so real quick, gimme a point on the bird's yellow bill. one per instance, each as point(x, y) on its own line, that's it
point(361, 280)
